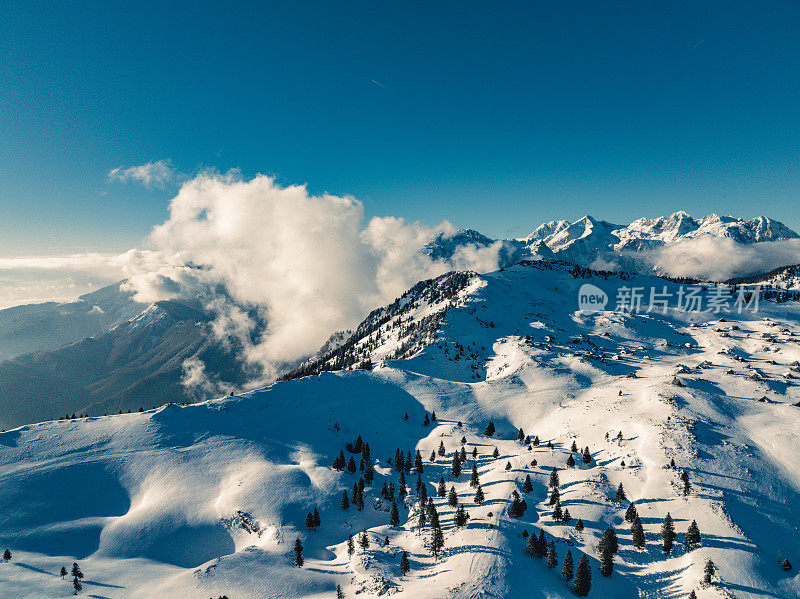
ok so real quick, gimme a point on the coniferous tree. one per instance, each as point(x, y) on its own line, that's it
point(609, 540)
point(527, 486)
point(310, 521)
point(461, 516)
point(421, 519)
point(693, 536)
point(692, 595)
point(579, 525)
point(668, 534)
point(394, 515)
point(63, 571)
point(401, 485)
point(555, 495)
point(345, 502)
point(298, 553)
point(369, 474)
point(427, 420)
point(637, 533)
point(568, 570)
point(386, 542)
point(558, 515)
point(631, 512)
point(433, 416)
point(404, 565)
point(440, 489)
point(418, 462)
point(520, 435)
point(433, 456)
point(474, 453)
point(606, 560)
point(407, 463)
point(351, 465)
point(489, 429)
point(508, 465)
point(536, 440)
point(708, 572)
point(433, 515)
point(532, 547)
point(455, 469)
point(442, 450)
point(473, 479)
point(567, 516)
point(554, 482)
point(76, 584)
point(437, 541)
point(570, 461)
point(516, 509)
point(463, 440)
point(687, 487)
point(7, 555)
point(583, 578)
point(339, 462)
point(552, 558)
point(452, 497)
point(479, 498)
point(351, 548)
point(363, 540)
point(422, 492)
point(76, 570)
point(541, 544)
point(574, 448)
point(587, 457)
point(399, 460)
point(463, 456)
point(786, 565)
point(620, 495)
point(339, 592)
point(496, 453)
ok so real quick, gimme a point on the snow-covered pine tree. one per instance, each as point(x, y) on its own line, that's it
point(609, 540)
point(455, 469)
point(579, 525)
point(404, 565)
point(693, 536)
point(668, 534)
point(568, 570)
point(437, 541)
point(452, 497)
point(708, 572)
point(620, 495)
point(583, 578)
point(298, 553)
point(637, 533)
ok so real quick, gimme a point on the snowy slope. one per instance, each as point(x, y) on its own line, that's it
point(207, 499)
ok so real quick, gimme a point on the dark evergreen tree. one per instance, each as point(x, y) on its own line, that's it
point(637, 533)
point(76, 570)
point(405, 416)
point(440, 489)
point(554, 482)
point(437, 542)
point(579, 525)
point(567, 516)
point(541, 544)
point(516, 510)
point(339, 592)
point(692, 595)
point(570, 461)
point(668, 534)
point(708, 572)
point(527, 486)
point(508, 466)
point(496, 453)
point(339, 462)
point(418, 462)
point(7, 555)
point(552, 558)
point(433, 456)
point(404, 565)
point(63, 571)
point(345, 502)
point(693, 536)
point(452, 498)
point(489, 429)
point(606, 560)
point(461, 516)
point(620, 495)
point(473, 479)
point(609, 540)
point(310, 521)
point(298, 553)
point(463, 456)
point(421, 520)
point(520, 435)
point(401, 485)
point(433, 416)
point(568, 570)
point(351, 548)
point(536, 441)
point(407, 463)
point(786, 565)
point(399, 461)
point(479, 498)
point(555, 495)
point(369, 474)
point(442, 450)
point(583, 578)
point(76, 584)
point(427, 420)
point(394, 515)
point(631, 512)
point(574, 448)
point(687, 487)
point(351, 465)
point(474, 453)
point(455, 469)
point(422, 492)
point(363, 540)
point(558, 515)
point(587, 457)
point(532, 547)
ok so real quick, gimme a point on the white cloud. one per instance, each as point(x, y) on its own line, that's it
point(153, 174)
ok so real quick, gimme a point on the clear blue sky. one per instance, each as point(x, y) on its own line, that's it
point(494, 115)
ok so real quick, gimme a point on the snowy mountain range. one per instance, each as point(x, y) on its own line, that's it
point(691, 414)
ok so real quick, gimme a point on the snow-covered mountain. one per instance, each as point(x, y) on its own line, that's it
point(208, 499)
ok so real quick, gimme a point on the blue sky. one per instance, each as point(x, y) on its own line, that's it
point(496, 116)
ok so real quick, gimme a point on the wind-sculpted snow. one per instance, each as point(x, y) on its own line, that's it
point(208, 499)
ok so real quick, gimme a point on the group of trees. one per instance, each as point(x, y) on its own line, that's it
point(537, 546)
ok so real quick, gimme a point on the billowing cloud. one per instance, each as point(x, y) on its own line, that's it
point(153, 174)
point(307, 265)
point(720, 258)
